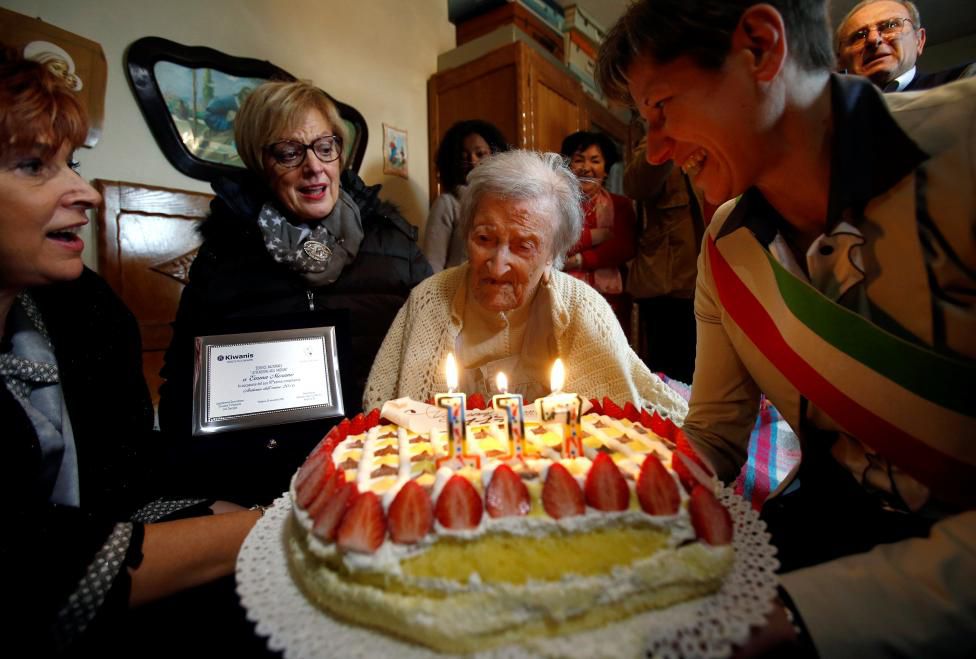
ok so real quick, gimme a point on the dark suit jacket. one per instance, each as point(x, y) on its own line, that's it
point(929, 80)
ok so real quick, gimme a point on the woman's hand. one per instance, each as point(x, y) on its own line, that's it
point(188, 552)
point(777, 639)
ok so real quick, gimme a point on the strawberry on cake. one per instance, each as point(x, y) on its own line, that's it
point(474, 557)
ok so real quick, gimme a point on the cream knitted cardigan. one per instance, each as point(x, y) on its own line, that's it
point(599, 362)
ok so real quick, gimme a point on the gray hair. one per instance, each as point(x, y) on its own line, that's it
point(841, 28)
point(532, 176)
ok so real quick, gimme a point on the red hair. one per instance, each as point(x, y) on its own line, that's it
point(37, 106)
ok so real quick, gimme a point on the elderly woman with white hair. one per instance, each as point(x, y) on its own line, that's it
point(509, 308)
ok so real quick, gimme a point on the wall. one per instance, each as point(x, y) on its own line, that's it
point(948, 54)
point(375, 55)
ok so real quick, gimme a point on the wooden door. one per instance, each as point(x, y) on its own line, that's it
point(554, 104)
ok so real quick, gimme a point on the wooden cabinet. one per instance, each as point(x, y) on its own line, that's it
point(534, 101)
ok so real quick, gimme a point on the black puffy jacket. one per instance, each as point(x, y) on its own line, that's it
point(236, 286)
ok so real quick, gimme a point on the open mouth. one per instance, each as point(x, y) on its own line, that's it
point(693, 164)
point(313, 192)
point(68, 235)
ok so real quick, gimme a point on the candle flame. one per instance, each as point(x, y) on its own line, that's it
point(502, 383)
point(558, 376)
point(452, 373)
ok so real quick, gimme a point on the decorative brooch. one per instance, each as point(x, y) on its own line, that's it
point(317, 251)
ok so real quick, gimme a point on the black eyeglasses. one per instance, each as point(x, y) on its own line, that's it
point(889, 30)
point(291, 154)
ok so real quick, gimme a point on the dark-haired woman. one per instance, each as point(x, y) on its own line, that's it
point(465, 144)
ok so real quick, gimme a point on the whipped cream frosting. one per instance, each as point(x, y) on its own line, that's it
point(384, 458)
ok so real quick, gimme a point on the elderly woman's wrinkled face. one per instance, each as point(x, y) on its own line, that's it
point(43, 209)
point(590, 168)
point(310, 190)
point(509, 248)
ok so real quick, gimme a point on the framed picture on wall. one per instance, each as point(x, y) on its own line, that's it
point(190, 96)
point(394, 151)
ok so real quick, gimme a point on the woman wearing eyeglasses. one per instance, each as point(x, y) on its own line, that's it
point(295, 241)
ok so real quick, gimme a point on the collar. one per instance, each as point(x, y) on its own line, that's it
point(870, 153)
point(901, 81)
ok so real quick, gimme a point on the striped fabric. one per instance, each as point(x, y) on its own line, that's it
point(773, 450)
point(903, 400)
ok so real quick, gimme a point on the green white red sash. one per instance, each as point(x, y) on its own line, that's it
point(912, 405)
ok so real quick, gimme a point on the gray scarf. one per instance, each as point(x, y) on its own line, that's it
point(30, 372)
point(318, 251)
point(23, 374)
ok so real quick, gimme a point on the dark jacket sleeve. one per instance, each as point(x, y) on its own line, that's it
point(420, 267)
point(397, 236)
point(49, 549)
point(389, 265)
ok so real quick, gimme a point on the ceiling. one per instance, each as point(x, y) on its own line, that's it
point(944, 20)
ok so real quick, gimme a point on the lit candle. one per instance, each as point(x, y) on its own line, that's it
point(454, 403)
point(569, 406)
point(511, 405)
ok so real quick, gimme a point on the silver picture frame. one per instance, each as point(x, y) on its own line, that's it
point(259, 379)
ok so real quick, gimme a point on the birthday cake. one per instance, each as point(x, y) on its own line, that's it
point(511, 536)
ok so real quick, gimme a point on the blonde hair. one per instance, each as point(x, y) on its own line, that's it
point(275, 108)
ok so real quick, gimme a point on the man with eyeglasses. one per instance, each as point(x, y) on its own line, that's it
point(839, 281)
point(882, 40)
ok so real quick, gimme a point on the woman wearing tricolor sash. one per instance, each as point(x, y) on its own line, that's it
point(840, 282)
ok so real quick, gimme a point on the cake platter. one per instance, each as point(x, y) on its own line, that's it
point(706, 627)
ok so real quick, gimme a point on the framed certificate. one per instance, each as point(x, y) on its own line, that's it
point(265, 378)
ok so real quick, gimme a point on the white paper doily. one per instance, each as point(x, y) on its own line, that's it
point(707, 627)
